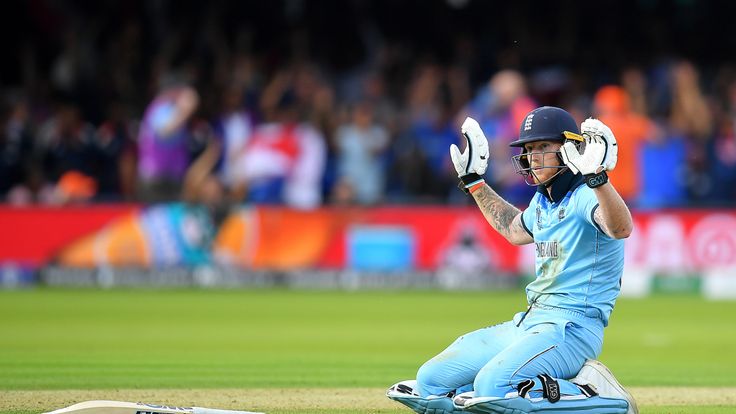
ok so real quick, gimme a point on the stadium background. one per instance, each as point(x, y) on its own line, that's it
point(309, 144)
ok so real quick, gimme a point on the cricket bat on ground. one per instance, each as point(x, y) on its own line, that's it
point(121, 407)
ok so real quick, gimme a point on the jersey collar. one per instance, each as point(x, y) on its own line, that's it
point(566, 181)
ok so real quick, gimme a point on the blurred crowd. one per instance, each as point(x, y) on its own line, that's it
point(122, 104)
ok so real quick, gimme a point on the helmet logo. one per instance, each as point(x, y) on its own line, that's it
point(528, 122)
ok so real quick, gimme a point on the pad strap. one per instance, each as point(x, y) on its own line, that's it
point(587, 390)
point(550, 388)
point(524, 387)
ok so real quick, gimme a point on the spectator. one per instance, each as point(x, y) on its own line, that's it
point(95, 56)
point(361, 146)
point(284, 160)
point(234, 127)
point(662, 169)
point(612, 106)
point(163, 154)
point(721, 151)
point(690, 116)
point(116, 153)
point(67, 145)
point(634, 83)
point(16, 153)
point(201, 187)
point(420, 154)
point(689, 111)
point(499, 108)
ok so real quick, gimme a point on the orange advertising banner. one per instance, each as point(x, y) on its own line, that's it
point(369, 239)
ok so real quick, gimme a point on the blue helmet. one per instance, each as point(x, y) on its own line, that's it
point(546, 123)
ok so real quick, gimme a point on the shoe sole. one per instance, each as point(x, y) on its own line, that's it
point(608, 375)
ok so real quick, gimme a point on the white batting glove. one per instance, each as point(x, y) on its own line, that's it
point(595, 127)
point(601, 149)
point(599, 155)
point(472, 163)
point(474, 160)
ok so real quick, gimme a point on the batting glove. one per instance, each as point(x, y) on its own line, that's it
point(472, 163)
point(599, 155)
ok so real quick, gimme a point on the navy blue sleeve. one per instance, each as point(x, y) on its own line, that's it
point(528, 216)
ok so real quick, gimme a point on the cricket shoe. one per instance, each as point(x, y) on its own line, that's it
point(597, 375)
point(405, 393)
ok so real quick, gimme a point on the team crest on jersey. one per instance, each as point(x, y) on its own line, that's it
point(561, 214)
point(528, 123)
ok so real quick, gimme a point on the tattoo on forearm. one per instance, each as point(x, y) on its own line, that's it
point(499, 213)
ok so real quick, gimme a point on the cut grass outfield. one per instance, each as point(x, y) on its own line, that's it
point(143, 341)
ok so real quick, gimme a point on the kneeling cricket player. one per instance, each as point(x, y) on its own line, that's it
point(544, 359)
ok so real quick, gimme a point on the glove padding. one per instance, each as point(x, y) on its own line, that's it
point(600, 153)
point(474, 160)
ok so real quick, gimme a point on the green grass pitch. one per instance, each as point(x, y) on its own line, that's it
point(58, 339)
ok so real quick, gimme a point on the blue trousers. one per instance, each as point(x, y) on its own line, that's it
point(492, 361)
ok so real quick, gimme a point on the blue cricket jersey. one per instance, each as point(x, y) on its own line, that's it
point(578, 266)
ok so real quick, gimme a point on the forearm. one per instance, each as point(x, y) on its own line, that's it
point(186, 103)
point(502, 216)
point(198, 172)
point(612, 213)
